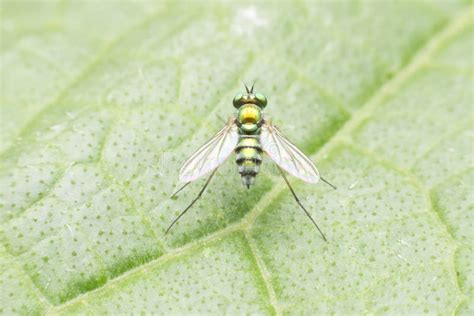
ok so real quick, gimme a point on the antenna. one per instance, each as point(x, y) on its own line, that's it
point(246, 88)
point(253, 84)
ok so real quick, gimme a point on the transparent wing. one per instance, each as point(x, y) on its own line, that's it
point(286, 155)
point(211, 154)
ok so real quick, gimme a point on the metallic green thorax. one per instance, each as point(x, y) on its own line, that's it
point(249, 119)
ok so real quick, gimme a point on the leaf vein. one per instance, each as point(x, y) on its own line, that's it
point(380, 95)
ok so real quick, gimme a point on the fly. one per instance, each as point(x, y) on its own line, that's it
point(249, 135)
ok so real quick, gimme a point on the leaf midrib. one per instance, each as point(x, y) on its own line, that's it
point(342, 136)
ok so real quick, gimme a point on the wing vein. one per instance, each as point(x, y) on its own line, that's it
point(210, 155)
point(287, 155)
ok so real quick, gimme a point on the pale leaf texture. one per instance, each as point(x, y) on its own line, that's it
point(102, 102)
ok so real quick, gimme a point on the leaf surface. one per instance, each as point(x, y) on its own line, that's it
point(102, 103)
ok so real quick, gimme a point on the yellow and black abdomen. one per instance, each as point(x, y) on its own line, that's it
point(249, 149)
point(249, 158)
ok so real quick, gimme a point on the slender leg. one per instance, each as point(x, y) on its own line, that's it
point(179, 190)
point(301, 205)
point(328, 183)
point(192, 203)
point(221, 118)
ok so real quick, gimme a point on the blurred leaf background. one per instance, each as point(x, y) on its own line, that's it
point(102, 101)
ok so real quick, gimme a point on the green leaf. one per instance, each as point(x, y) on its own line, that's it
point(102, 102)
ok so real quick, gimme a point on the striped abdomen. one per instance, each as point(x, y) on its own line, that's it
point(249, 158)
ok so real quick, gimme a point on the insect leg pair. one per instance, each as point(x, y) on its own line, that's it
point(192, 202)
point(209, 180)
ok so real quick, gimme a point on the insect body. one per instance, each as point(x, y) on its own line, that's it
point(249, 120)
point(249, 135)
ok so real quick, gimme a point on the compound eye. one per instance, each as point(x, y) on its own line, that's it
point(237, 100)
point(261, 99)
